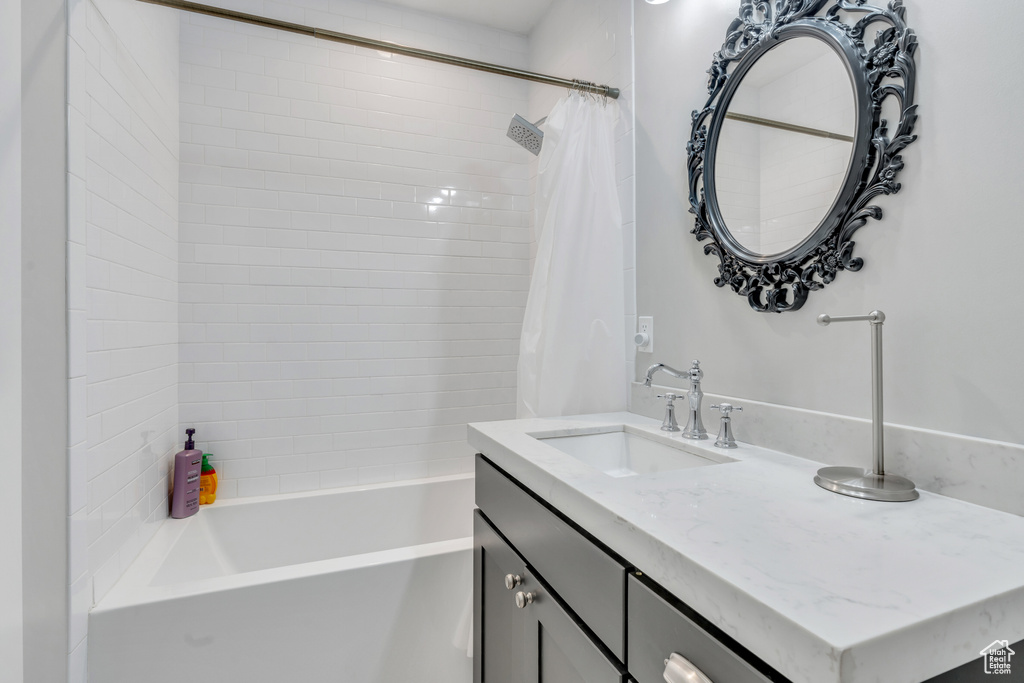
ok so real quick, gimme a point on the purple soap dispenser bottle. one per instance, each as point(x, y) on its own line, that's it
point(188, 466)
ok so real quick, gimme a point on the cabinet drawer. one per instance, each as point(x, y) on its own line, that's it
point(657, 629)
point(586, 578)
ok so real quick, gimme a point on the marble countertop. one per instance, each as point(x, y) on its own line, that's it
point(825, 588)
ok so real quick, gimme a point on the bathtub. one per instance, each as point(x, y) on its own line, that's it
point(370, 584)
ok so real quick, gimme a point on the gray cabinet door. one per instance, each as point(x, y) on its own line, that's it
point(558, 650)
point(499, 626)
point(537, 643)
point(586, 578)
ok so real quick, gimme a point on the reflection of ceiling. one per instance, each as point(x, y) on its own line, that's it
point(517, 16)
point(786, 58)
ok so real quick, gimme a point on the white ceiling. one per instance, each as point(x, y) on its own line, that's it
point(517, 16)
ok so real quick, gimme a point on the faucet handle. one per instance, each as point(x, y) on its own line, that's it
point(725, 438)
point(669, 424)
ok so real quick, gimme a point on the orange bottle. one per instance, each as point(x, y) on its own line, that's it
point(207, 482)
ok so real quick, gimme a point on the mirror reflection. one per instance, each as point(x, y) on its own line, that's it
point(785, 146)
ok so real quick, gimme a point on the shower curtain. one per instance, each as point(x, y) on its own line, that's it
point(572, 350)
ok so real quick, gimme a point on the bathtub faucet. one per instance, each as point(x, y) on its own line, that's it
point(694, 424)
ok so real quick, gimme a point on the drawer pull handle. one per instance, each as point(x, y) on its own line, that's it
point(524, 599)
point(679, 669)
point(512, 580)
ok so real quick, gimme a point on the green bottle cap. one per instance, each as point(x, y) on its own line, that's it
point(206, 463)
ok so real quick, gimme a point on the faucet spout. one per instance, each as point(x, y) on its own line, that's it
point(663, 368)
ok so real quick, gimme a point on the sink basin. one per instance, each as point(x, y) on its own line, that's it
point(621, 452)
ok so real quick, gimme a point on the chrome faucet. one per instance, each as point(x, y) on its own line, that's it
point(694, 425)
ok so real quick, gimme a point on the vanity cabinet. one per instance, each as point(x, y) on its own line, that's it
point(587, 577)
point(525, 633)
point(554, 606)
point(558, 521)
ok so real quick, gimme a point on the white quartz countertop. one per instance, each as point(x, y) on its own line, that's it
point(824, 588)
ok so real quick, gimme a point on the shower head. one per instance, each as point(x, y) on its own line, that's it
point(526, 134)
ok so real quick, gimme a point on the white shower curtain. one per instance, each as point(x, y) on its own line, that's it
point(572, 352)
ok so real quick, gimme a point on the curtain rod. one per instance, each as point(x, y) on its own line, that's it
point(385, 46)
point(757, 120)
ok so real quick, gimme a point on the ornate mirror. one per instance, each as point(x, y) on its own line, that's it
point(793, 143)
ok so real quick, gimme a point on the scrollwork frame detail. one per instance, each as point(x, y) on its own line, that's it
point(885, 70)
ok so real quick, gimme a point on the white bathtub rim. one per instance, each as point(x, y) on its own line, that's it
point(234, 502)
point(134, 587)
point(132, 595)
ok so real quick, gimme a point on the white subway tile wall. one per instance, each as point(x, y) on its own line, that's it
point(350, 269)
point(354, 256)
point(802, 174)
point(122, 290)
point(738, 171)
point(593, 40)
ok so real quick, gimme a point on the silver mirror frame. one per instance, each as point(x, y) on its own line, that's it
point(781, 282)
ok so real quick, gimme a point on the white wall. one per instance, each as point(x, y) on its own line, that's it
point(941, 263)
point(44, 385)
point(592, 40)
point(11, 641)
point(354, 246)
point(122, 290)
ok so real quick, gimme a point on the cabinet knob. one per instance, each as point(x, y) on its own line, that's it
point(523, 599)
point(512, 580)
point(679, 669)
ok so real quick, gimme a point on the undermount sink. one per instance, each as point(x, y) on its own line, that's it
point(621, 452)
